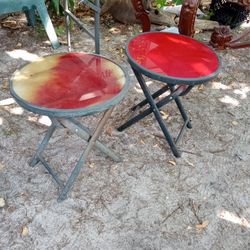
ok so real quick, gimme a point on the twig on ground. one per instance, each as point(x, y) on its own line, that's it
point(194, 210)
point(217, 151)
point(180, 206)
point(190, 152)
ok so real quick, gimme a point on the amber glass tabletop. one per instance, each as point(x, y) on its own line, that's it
point(69, 84)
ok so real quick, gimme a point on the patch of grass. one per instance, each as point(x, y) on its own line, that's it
point(60, 30)
point(9, 132)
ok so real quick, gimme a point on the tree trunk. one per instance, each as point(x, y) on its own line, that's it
point(124, 12)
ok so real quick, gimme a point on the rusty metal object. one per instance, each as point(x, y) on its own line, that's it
point(221, 39)
point(187, 17)
point(186, 21)
point(141, 14)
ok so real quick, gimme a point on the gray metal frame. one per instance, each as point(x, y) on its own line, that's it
point(177, 87)
point(64, 118)
point(70, 16)
point(84, 133)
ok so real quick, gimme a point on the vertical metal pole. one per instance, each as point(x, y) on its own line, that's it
point(67, 21)
point(97, 27)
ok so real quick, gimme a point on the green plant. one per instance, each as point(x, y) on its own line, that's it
point(177, 2)
point(55, 6)
point(209, 14)
point(60, 30)
point(162, 3)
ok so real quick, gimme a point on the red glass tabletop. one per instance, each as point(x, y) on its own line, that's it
point(172, 55)
point(68, 81)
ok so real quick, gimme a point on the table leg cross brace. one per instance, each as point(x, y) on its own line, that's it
point(175, 92)
point(84, 133)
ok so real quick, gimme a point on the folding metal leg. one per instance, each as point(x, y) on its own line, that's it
point(35, 159)
point(157, 114)
point(148, 111)
point(84, 156)
point(154, 108)
point(155, 95)
point(183, 112)
point(84, 133)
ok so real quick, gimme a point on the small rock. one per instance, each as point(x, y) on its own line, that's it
point(2, 202)
point(235, 123)
point(19, 45)
point(25, 231)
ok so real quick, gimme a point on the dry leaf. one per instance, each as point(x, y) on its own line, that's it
point(114, 30)
point(235, 123)
point(91, 165)
point(142, 142)
point(1, 167)
point(25, 231)
point(4, 84)
point(11, 24)
point(109, 131)
point(115, 167)
point(81, 13)
point(203, 225)
point(164, 115)
point(172, 163)
point(2, 202)
point(201, 87)
point(189, 163)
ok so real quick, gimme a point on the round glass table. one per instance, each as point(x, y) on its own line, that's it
point(177, 61)
point(172, 58)
point(70, 84)
point(65, 86)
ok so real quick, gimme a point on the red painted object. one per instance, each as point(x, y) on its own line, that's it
point(172, 55)
point(69, 81)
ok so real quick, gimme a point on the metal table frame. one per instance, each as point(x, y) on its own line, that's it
point(176, 86)
point(65, 118)
point(70, 16)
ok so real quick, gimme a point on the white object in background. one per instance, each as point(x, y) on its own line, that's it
point(177, 10)
point(171, 30)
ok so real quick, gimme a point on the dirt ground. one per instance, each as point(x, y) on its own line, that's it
point(150, 200)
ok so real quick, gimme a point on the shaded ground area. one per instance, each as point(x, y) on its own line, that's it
point(150, 200)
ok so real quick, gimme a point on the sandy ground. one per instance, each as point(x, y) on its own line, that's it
point(150, 200)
